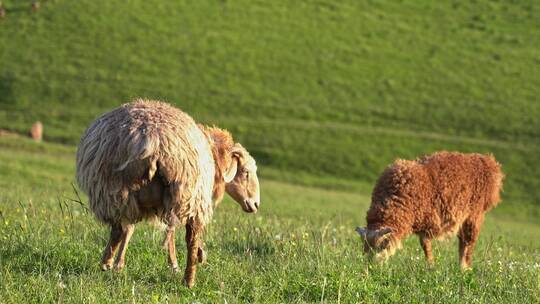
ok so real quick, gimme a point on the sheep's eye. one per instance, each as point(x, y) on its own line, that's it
point(246, 174)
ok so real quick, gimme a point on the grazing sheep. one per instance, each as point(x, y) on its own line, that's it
point(439, 195)
point(36, 131)
point(149, 160)
point(35, 6)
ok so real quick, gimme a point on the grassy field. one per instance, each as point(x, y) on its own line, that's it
point(300, 247)
point(323, 93)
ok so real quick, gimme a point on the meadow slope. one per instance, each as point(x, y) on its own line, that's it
point(313, 88)
point(323, 94)
point(300, 247)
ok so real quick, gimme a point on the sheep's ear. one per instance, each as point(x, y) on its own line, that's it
point(229, 175)
point(362, 232)
point(238, 151)
point(384, 232)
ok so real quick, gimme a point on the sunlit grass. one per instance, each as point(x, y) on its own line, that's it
point(300, 247)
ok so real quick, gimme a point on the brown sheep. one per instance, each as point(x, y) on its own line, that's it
point(436, 196)
point(36, 131)
point(35, 6)
point(149, 160)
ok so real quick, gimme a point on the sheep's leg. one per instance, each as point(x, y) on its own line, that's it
point(112, 246)
point(169, 244)
point(165, 243)
point(468, 235)
point(169, 240)
point(127, 232)
point(426, 246)
point(201, 255)
point(193, 235)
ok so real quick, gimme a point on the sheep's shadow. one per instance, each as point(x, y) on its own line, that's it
point(6, 89)
point(31, 261)
point(250, 247)
point(18, 9)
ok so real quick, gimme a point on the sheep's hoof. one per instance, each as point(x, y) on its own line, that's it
point(201, 256)
point(188, 283)
point(105, 267)
point(174, 268)
point(466, 268)
point(118, 267)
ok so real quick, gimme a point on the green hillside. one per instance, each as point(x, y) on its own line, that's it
point(321, 92)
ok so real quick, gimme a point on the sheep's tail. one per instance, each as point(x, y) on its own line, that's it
point(496, 184)
point(139, 147)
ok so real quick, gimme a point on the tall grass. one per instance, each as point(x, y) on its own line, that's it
point(300, 247)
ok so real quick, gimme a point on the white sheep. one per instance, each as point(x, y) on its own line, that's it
point(149, 160)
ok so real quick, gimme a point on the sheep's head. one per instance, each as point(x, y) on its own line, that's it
point(241, 181)
point(378, 244)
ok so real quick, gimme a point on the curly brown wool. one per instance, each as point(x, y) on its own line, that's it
point(435, 196)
